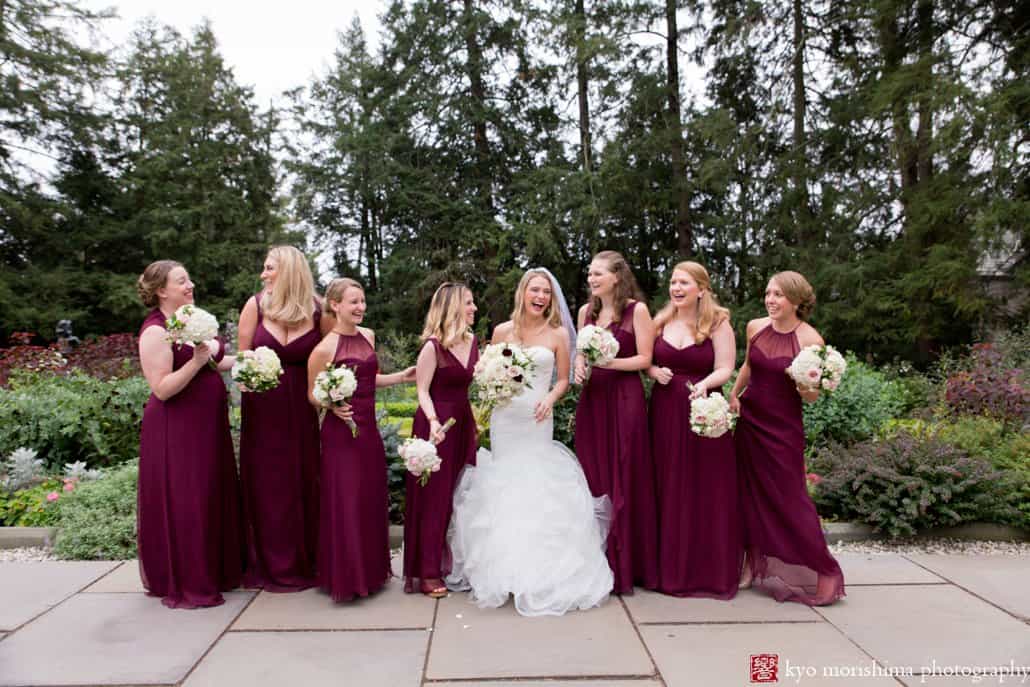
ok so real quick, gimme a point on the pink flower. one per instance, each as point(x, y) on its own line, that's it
point(813, 478)
point(69, 486)
point(52, 496)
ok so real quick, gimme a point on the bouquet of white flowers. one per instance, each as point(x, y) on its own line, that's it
point(333, 386)
point(597, 345)
point(818, 367)
point(501, 374)
point(190, 325)
point(257, 370)
point(710, 416)
point(420, 456)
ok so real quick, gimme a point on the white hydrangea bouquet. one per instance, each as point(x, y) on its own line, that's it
point(710, 416)
point(190, 325)
point(257, 370)
point(333, 386)
point(818, 367)
point(420, 456)
point(597, 345)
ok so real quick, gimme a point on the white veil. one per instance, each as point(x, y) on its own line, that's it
point(566, 317)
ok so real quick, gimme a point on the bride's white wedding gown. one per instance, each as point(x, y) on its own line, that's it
point(524, 522)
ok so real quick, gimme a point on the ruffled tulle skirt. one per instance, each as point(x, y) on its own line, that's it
point(527, 526)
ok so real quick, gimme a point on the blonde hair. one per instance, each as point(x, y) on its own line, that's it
point(445, 320)
point(154, 277)
point(798, 291)
point(337, 287)
point(551, 315)
point(293, 293)
point(709, 313)
point(626, 288)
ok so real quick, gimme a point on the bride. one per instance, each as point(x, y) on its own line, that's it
point(524, 522)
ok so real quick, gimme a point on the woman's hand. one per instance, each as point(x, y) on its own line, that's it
point(580, 372)
point(543, 409)
point(436, 433)
point(698, 391)
point(734, 403)
point(408, 375)
point(202, 354)
point(808, 394)
point(345, 412)
point(662, 375)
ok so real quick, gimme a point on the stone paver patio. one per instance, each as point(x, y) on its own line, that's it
point(905, 617)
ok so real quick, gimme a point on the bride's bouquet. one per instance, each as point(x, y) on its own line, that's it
point(597, 345)
point(502, 373)
point(333, 386)
point(420, 456)
point(818, 367)
point(257, 370)
point(189, 325)
point(710, 416)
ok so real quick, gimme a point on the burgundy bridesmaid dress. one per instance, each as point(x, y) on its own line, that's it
point(354, 547)
point(188, 512)
point(783, 537)
point(613, 447)
point(279, 469)
point(427, 510)
point(699, 540)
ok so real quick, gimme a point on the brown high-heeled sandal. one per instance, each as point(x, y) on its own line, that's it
point(434, 589)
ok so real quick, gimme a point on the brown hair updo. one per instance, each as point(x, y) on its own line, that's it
point(798, 291)
point(152, 279)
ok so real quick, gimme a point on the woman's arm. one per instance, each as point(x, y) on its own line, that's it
point(725, 344)
point(643, 327)
point(425, 369)
point(545, 406)
point(579, 365)
point(247, 326)
point(744, 376)
point(156, 359)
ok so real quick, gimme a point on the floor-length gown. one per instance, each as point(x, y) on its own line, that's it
point(279, 468)
point(699, 535)
point(353, 536)
point(427, 509)
point(190, 535)
point(613, 447)
point(525, 523)
point(783, 537)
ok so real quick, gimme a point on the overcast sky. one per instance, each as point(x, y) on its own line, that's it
point(271, 47)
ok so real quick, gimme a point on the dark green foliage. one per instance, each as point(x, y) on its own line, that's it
point(864, 400)
point(98, 520)
point(908, 483)
point(73, 418)
point(565, 417)
point(395, 470)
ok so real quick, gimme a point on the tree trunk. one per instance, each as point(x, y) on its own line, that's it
point(579, 32)
point(674, 123)
point(478, 92)
point(800, 162)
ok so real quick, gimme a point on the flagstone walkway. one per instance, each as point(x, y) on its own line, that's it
point(908, 619)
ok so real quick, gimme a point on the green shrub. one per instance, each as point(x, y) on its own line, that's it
point(73, 418)
point(98, 520)
point(401, 408)
point(863, 402)
point(908, 483)
point(565, 417)
point(987, 438)
point(29, 507)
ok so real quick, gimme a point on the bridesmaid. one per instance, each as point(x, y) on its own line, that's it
point(444, 373)
point(190, 540)
point(611, 422)
point(279, 434)
point(353, 540)
point(786, 551)
point(700, 550)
